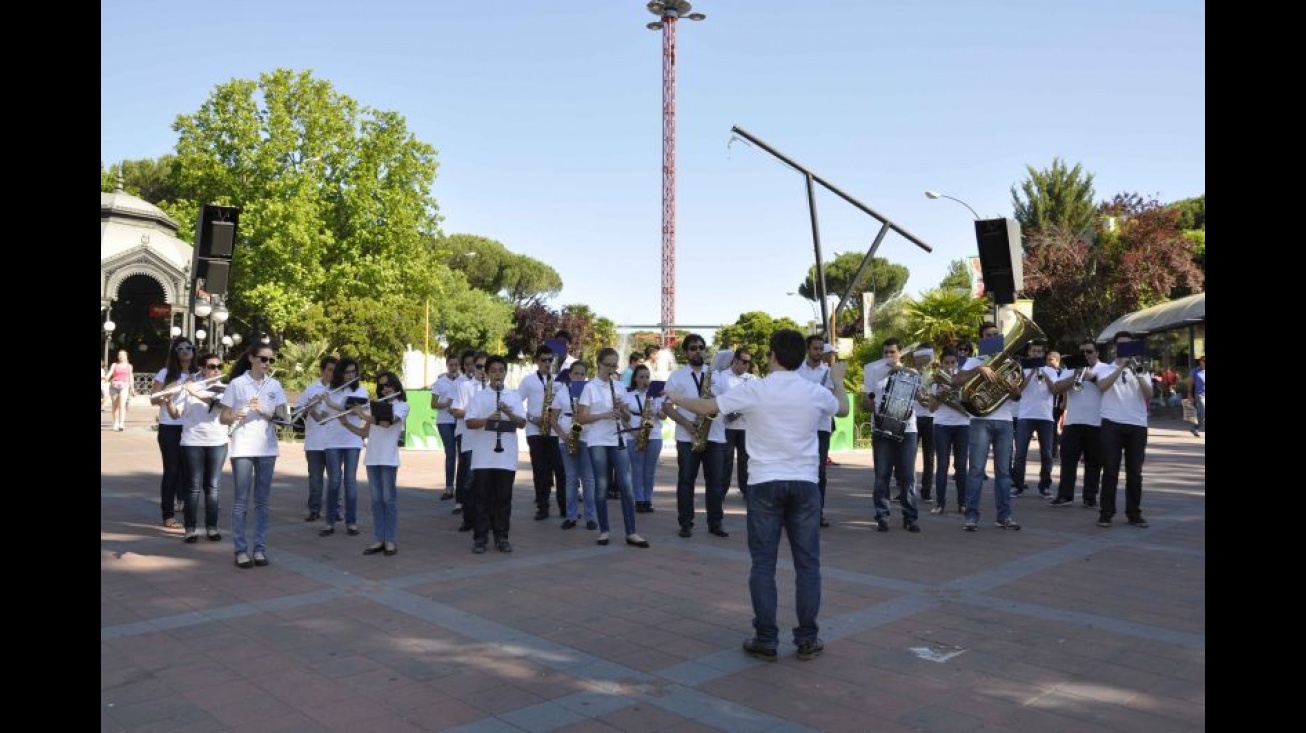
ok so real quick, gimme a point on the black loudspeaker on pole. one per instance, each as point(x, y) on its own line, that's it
point(1000, 258)
point(215, 241)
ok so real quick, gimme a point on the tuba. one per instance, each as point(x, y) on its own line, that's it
point(980, 396)
point(702, 423)
point(944, 390)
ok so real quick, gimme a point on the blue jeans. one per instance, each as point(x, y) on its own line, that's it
point(251, 475)
point(643, 468)
point(450, 445)
point(902, 455)
point(342, 468)
point(579, 472)
point(1200, 404)
point(385, 501)
point(688, 462)
point(316, 473)
point(1026, 427)
point(950, 441)
point(984, 433)
point(204, 464)
point(600, 457)
point(794, 506)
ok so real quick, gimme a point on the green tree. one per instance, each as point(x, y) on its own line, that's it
point(337, 216)
point(1057, 196)
point(1192, 213)
point(882, 278)
point(491, 267)
point(941, 316)
point(958, 277)
point(151, 179)
point(753, 330)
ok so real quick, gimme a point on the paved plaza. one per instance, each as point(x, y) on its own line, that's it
point(1061, 626)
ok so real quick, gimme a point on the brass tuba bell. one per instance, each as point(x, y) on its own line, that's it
point(980, 396)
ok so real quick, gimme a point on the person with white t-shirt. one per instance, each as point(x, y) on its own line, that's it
point(472, 383)
point(382, 458)
point(1081, 434)
point(342, 447)
point(181, 368)
point(443, 392)
point(783, 495)
point(991, 430)
point(204, 446)
point(605, 415)
point(1125, 395)
point(644, 463)
point(310, 404)
point(546, 462)
point(1034, 417)
point(253, 399)
point(951, 440)
point(815, 370)
point(696, 377)
point(739, 371)
point(494, 455)
point(576, 466)
point(891, 454)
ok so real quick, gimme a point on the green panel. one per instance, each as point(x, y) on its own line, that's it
point(844, 429)
point(419, 428)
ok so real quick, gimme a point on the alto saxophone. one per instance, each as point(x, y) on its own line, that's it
point(645, 424)
point(702, 423)
point(548, 403)
point(573, 435)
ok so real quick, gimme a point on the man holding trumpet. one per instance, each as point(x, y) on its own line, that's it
point(1081, 434)
point(494, 455)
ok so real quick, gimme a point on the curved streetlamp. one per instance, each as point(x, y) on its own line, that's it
point(202, 308)
point(937, 195)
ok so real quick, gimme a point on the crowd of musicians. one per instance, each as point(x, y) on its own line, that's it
point(595, 437)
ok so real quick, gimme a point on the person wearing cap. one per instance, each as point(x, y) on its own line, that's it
point(815, 369)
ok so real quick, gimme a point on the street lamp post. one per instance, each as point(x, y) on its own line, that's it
point(815, 318)
point(937, 195)
point(109, 327)
point(668, 12)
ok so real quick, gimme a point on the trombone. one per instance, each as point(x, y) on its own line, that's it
point(342, 413)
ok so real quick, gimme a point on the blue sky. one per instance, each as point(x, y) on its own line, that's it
point(548, 120)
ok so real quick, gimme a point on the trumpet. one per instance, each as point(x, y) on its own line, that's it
point(342, 413)
point(180, 386)
point(1078, 385)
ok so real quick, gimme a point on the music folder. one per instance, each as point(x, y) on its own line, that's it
point(1126, 349)
point(500, 426)
point(577, 387)
point(383, 411)
point(991, 345)
point(1038, 363)
point(655, 388)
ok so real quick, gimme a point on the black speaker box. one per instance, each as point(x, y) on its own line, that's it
point(1000, 258)
point(216, 275)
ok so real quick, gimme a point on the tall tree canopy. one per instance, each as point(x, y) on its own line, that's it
point(1057, 196)
point(490, 266)
point(883, 278)
point(957, 277)
point(753, 330)
point(337, 223)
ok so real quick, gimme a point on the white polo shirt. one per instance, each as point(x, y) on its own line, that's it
point(531, 389)
point(445, 388)
point(254, 437)
point(686, 381)
point(1123, 402)
point(335, 434)
point(483, 405)
point(164, 417)
point(1036, 401)
point(636, 401)
point(314, 434)
point(784, 406)
point(597, 398)
point(724, 381)
point(1085, 406)
point(383, 442)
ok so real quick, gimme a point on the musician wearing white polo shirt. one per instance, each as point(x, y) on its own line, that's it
point(1034, 417)
point(891, 453)
point(1125, 395)
point(1081, 435)
point(991, 430)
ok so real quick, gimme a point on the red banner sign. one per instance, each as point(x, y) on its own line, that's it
point(160, 310)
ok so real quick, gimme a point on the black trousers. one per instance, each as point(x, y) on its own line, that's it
point(925, 436)
point(1130, 441)
point(547, 471)
point(493, 503)
point(172, 487)
point(735, 443)
point(823, 447)
point(462, 493)
point(1077, 441)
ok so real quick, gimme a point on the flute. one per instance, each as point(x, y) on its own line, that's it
point(176, 388)
point(342, 413)
point(313, 402)
point(267, 379)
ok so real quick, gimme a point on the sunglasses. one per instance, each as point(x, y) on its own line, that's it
point(610, 366)
point(745, 362)
point(1088, 351)
point(383, 385)
point(695, 347)
point(270, 360)
point(186, 348)
point(212, 366)
point(481, 365)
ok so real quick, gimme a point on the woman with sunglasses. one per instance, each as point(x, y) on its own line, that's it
point(382, 459)
point(180, 369)
point(253, 399)
point(203, 445)
point(343, 446)
point(602, 409)
point(119, 376)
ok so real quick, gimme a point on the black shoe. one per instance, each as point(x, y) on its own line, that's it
point(478, 548)
point(465, 527)
point(910, 526)
point(351, 529)
point(541, 514)
point(214, 535)
point(1007, 523)
point(1061, 501)
point(457, 510)
point(810, 649)
point(243, 562)
point(260, 559)
point(391, 551)
point(648, 507)
point(634, 540)
point(604, 538)
point(591, 525)
point(568, 523)
point(373, 550)
point(765, 653)
point(503, 546)
point(312, 517)
point(191, 537)
point(447, 495)
point(1194, 432)
point(685, 531)
point(717, 531)
point(1138, 522)
point(881, 525)
point(1104, 522)
point(1045, 493)
point(824, 522)
point(326, 532)
point(1090, 503)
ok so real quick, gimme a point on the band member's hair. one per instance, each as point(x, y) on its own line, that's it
point(635, 373)
point(650, 351)
point(742, 351)
point(243, 363)
point(1121, 334)
point(342, 366)
point(813, 339)
point(605, 353)
point(496, 359)
point(691, 338)
point(789, 348)
point(949, 351)
point(174, 361)
point(398, 386)
point(635, 356)
point(327, 361)
point(963, 344)
point(563, 334)
point(891, 341)
point(467, 354)
point(986, 326)
point(543, 350)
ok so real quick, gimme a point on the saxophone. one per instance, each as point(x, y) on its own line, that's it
point(548, 403)
point(645, 425)
point(702, 423)
point(573, 435)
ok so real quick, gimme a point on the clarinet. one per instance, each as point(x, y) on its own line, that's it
point(498, 434)
point(612, 385)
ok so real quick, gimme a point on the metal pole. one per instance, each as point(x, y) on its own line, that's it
point(668, 316)
point(819, 284)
